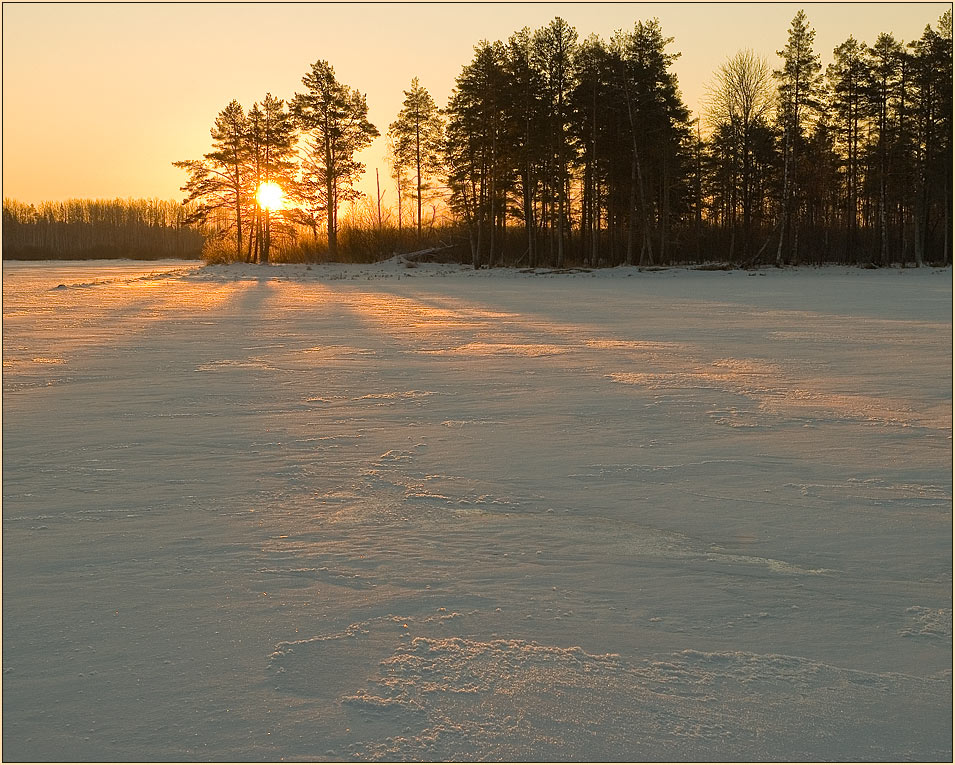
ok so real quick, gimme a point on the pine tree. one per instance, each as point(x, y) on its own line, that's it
point(798, 83)
point(819, 181)
point(932, 110)
point(417, 136)
point(553, 51)
point(848, 85)
point(334, 120)
point(255, 140)
point(219, 182)
point(474, 147)
point(595, 121)
point(525, 128)
point(886, 77)
point(278, 142)
point(658, 128)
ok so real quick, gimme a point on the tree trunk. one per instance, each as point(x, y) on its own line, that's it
point(238, 228)
point(747, 193)
point(946, 258)
point(665, 211)
point(646, 250)
point(883, 224)
point(492, 202)
point(784, 211)
point(378, 199)
point(633, 208)
point(595, 225)
point(250, 255)
point(417, 148)
point(529, 225)
point(398, 191)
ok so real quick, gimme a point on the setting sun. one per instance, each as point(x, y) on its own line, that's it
point(270, 196)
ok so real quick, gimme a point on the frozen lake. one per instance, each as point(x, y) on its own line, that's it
point(378, 512)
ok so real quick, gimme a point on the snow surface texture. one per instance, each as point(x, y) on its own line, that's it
point(393, 512)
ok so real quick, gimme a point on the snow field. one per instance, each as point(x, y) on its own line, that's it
point(380, 512)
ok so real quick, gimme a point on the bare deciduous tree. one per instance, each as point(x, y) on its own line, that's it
point(739, 101)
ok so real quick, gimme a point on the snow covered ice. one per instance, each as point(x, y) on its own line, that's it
point(357, 512)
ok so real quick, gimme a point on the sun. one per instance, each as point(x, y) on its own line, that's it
point(270, 196)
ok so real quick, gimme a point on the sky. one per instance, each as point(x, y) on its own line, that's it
point(100, 98)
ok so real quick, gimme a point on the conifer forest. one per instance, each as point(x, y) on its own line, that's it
point(559, 151)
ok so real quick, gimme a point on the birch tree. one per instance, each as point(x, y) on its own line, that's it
point(739, 103)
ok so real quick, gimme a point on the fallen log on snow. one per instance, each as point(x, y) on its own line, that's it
point(419, 254)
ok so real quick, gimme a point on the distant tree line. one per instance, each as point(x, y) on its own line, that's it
point(94, 228)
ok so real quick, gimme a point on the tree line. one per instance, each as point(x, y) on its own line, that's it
point(98, 228)
point(588, 148)
point(555, 150)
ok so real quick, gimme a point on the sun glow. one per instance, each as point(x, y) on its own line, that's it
point(270, 196)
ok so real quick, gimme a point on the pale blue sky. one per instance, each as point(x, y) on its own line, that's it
point(99, 99)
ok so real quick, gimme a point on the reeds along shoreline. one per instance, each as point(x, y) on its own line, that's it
point(151, 229)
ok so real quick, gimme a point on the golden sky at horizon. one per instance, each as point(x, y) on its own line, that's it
point(100, 99)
